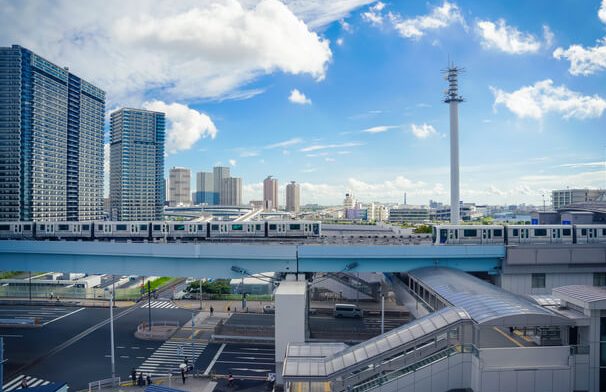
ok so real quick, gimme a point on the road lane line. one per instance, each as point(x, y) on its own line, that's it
point(215, 358)
point(65, 315)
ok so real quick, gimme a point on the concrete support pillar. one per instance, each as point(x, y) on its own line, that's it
point(290, 319)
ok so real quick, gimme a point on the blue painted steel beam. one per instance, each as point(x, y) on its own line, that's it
point(215, 260)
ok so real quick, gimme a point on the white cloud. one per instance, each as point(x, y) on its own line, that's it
point(317, 147)
point(286, 143)
point(345, 26)
point(249, 153)
point(319, 13)
point(185, 50)
point(543, 97)
point(379, 129)
point(439, 17)
point(340, 41)
point(298, 97)
point(506, 38)
point(602, 12)
point(548, 36)
point(374, 15)
point(584, 164)
point(232, 162)
point(422, 131)
point(185, 126)
point(584, 61)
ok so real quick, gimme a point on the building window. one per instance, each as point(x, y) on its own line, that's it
point(538, 281)
point(599, 279)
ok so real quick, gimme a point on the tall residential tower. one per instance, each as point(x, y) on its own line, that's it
point(231, 191)
point(51, 141)
point(219, 173)
point(205, 186)
point(270, 193)
point(137, 164)
point(179, 183)
point(293, 197)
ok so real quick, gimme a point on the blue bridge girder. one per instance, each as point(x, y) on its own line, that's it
point(224, 260)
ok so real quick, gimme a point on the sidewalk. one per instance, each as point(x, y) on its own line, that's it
point(64, 302)
point(203, 328)
point(196, 384)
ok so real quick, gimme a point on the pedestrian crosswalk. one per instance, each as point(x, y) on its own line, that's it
point(167, 358)
point(16, 383)
point(160, 305)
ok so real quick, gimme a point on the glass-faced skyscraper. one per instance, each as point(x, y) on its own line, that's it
point(137, 186)
point(51, 141)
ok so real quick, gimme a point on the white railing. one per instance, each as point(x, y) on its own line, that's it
point(106, 383)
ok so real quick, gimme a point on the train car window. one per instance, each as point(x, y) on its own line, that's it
point(99, 227)
point(516, 232)
point(27, 227)
point(470, 233)
point(540, 232)
point(7, 227)
point(295, 227)
point(85, 227)
point(603, 231)
point(257, 227)
point(236, 227)
point(42, 227)
point(566, 232)
point(63, 227)
point(272, 227)
point(316, 228)
point(498, 232)
point(583, 231)
point(214, 227)
point(157, 228)
point(179, 227)
point(120, 227)
point(142, 227)
point(200, 227)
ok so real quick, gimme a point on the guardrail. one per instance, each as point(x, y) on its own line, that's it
point(105, 383)
point(230, 338)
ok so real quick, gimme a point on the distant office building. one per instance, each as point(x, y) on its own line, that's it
point(231, 191)
point(51, 141)
point(468, 213)
point(219, 173)
point(205, 188)
point(257, 204)
point(563, 197)
point(270, 193)
point(409, 214)
point(356, 214)
point(293, 197)
point(435, 204)
point(377, 212)
point(349, 201)
point(179, 181)
point(137, 164)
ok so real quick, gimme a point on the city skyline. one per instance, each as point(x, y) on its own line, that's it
point(358, 107)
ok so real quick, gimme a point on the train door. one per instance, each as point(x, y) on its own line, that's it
point(523, 235)
point(486, 235)
point(555, 235)
point(591, 235)
point(443, 236)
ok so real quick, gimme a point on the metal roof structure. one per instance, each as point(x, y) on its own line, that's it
point(317, 366)
point(588, 297)
point(545, 300)
point(487, 304)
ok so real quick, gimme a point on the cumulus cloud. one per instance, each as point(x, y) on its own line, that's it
point(185, 125)
point(379, 129)
point(317, 147)
point(506, 38)
point(584, 60)
point(422, 131)
point(298, 97)
point(543, 97)
point(602, 12)
point(374, 14)
point(232, 162)
point(184, 50)
point(438, 18)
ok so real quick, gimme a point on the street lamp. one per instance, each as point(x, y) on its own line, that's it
point(111, 328)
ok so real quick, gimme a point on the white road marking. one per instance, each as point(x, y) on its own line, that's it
point(15, 383)
point(258, 363)
point(65, 315)
point(212, 363)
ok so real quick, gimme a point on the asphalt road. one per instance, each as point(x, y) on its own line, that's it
point(76, 348)
point(241, 360)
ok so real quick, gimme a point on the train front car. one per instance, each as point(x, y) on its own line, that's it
point(252, 229)
point(588, 234)
point(16, 230)
point(293, 229)
point(64, 230)
point(187, 231)
point(468, 234)
point(539, 234)
point(137, 231)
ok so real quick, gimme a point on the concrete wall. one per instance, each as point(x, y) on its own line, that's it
point(556, 254)
point(291, 318)
point(521, 283)
point(532, 369)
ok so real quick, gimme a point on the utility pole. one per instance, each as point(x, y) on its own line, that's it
point(149, 304)
point(452, 98)
point(1, 364)
point(111, 328)
point(382, 312)
point(30, 286)
point(200, 294)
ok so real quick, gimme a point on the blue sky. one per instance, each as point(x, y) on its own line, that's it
point(365, 113)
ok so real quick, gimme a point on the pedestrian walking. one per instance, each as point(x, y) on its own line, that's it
point(230, 380)
point(228, 309)
point(140, 381)
point(133, 376)
point(183, 374)
point(148, 379)
point(24, 383)
point(212, 310)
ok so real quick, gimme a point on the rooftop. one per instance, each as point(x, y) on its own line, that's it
point(588, 297)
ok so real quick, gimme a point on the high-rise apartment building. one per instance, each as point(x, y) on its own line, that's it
point(179, 182)
point(205, 188)
point(349, 202)
point(219, 173)
point(563, 197)
point(293, 197)
point(270, 193)
point(137, 184)
point(51, 141)
point(231, 191)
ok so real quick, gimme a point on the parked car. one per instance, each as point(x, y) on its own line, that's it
point(269, 309)
point(347, 310)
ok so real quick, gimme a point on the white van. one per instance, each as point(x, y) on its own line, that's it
point(346, 310)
